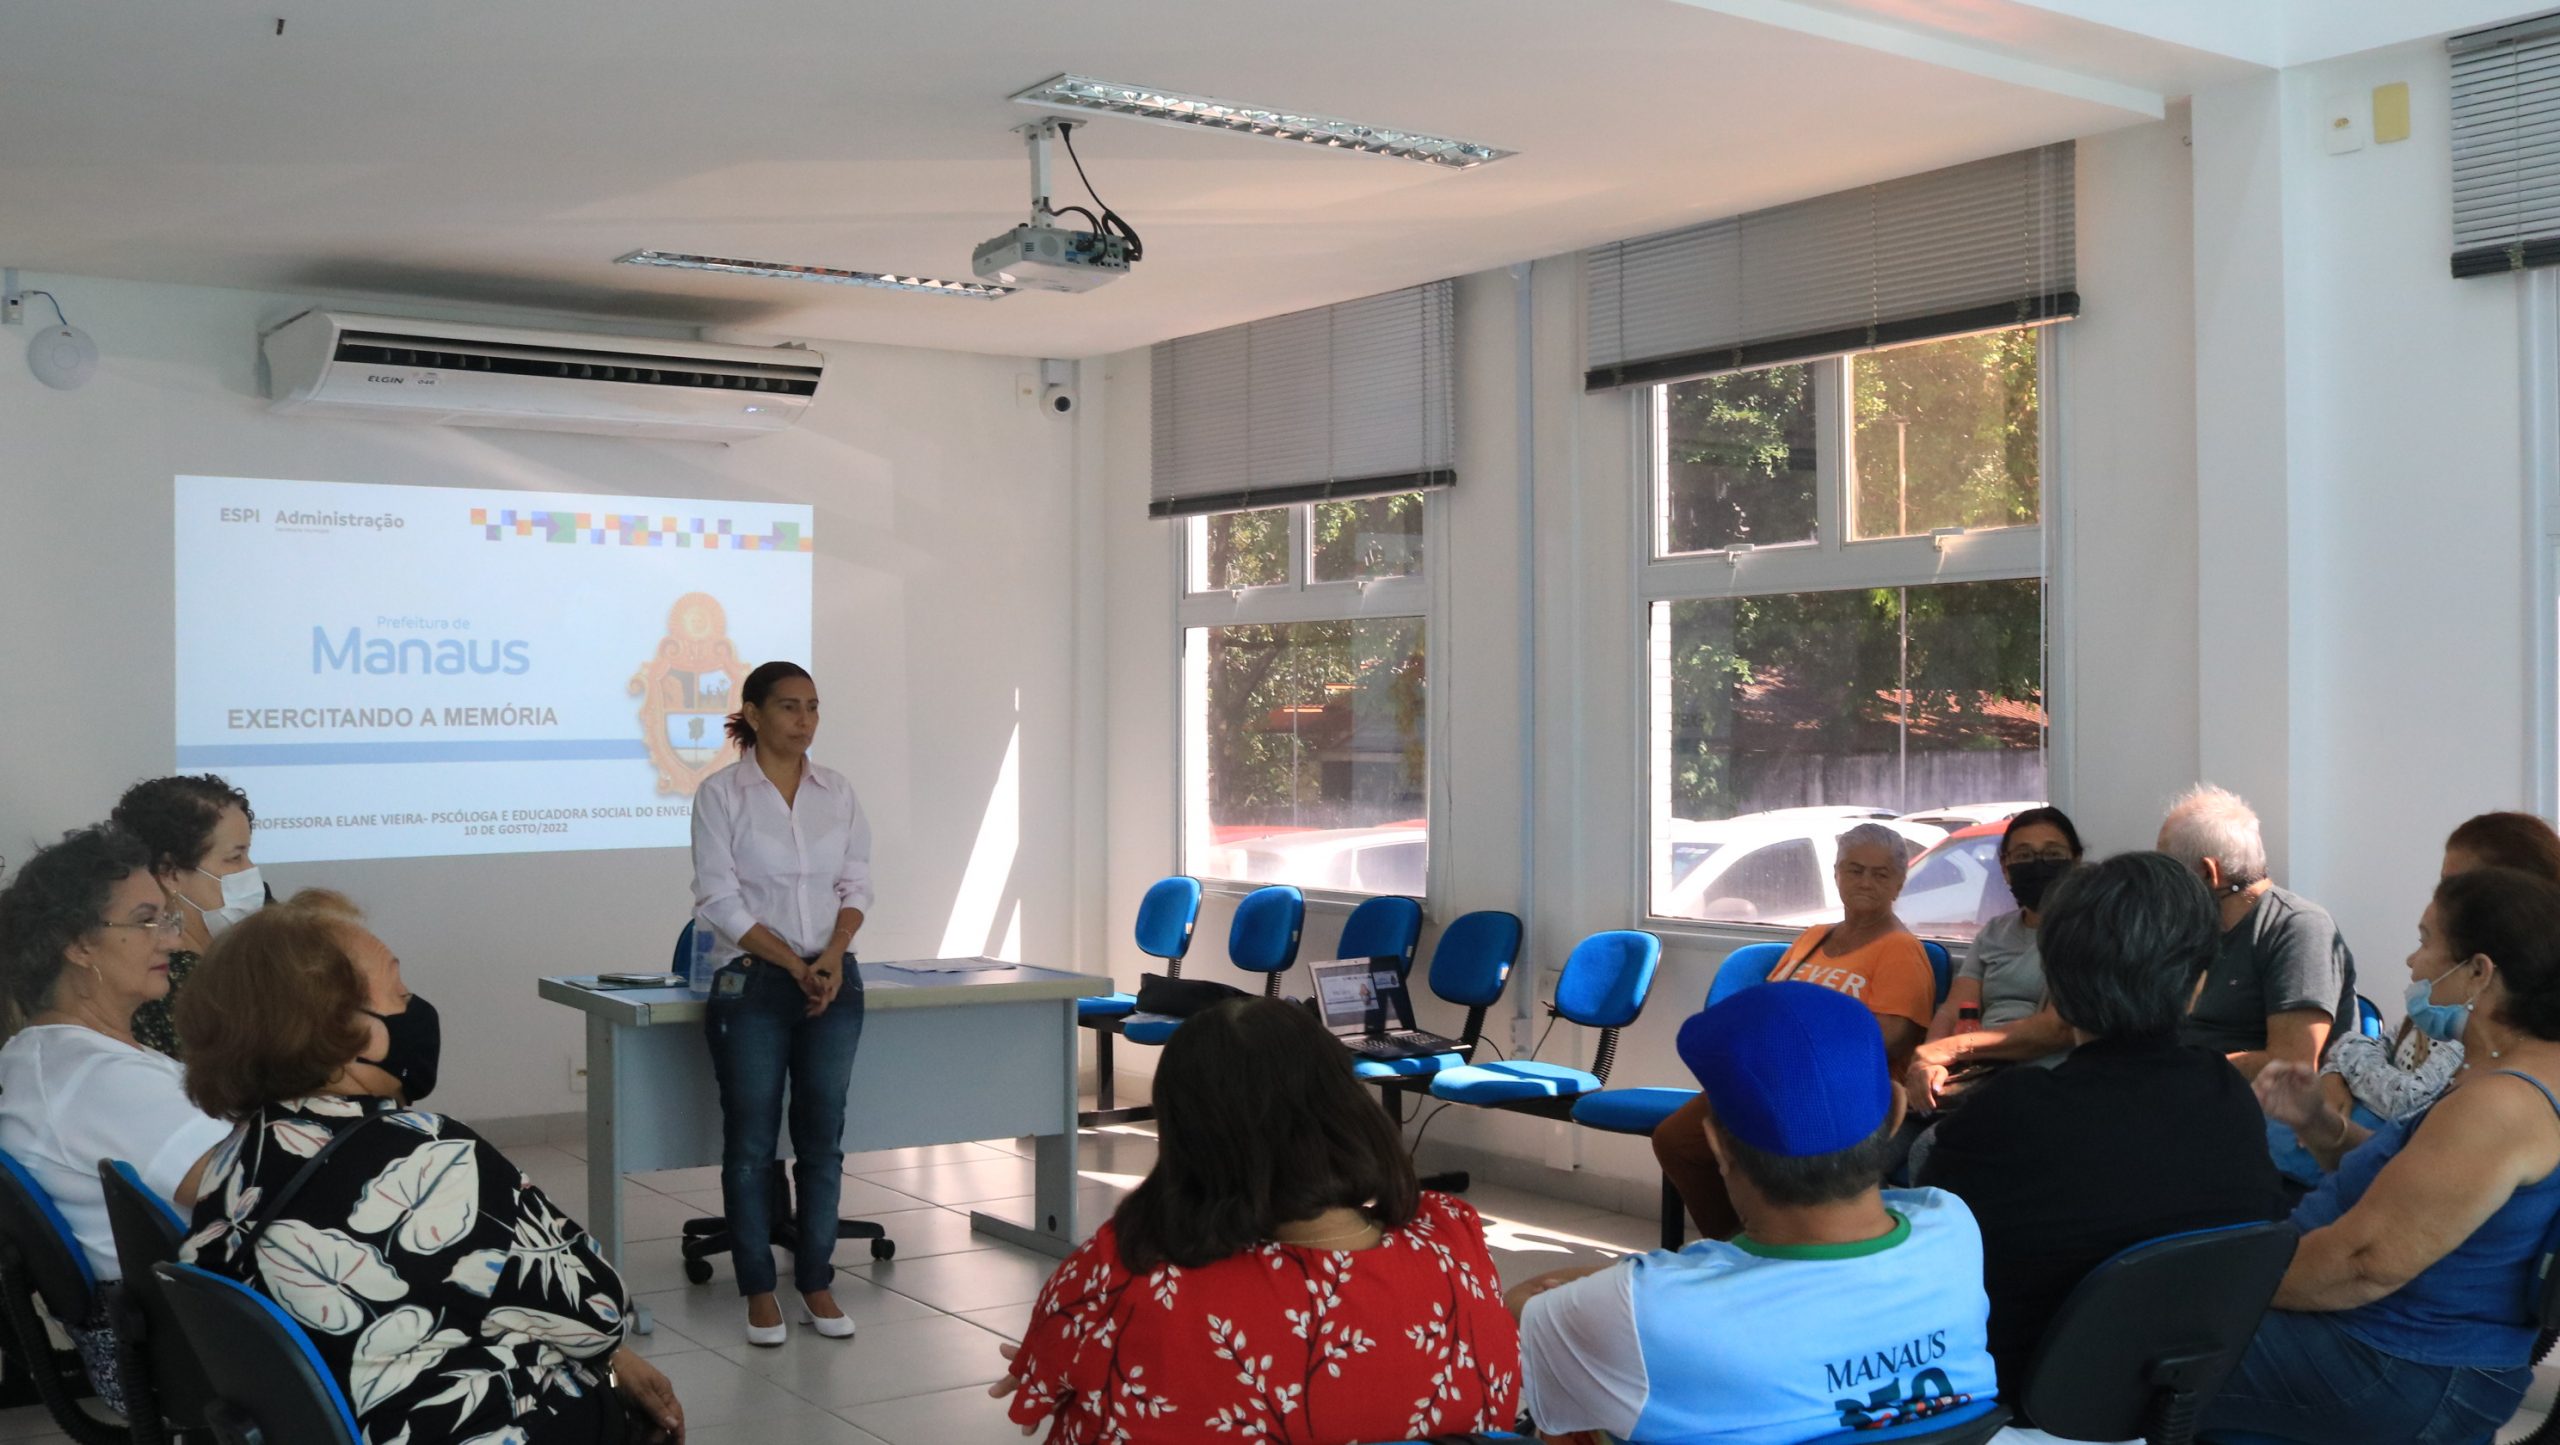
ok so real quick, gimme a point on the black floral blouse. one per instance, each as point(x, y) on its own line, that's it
point(151, 1026)
point(450, 1298)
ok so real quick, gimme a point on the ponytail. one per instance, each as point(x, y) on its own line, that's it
point(759, 687)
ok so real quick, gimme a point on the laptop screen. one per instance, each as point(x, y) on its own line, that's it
point(1353, 995)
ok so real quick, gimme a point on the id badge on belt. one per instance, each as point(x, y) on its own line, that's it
point(730, 982)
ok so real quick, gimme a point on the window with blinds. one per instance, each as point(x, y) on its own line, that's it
point(1974, 247)
point(2506, 147)
point(1353, 400)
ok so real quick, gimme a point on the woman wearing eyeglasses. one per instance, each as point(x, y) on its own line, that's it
point(85, 937)
point(197, 827)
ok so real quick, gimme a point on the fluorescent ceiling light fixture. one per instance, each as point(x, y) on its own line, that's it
point(779, 271)
point(1172, 107)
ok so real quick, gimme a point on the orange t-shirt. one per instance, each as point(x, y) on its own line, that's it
point(1891, 976)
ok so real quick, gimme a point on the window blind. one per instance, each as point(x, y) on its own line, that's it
point(2506, 147)
point(1969, 248)
point(1353, 400)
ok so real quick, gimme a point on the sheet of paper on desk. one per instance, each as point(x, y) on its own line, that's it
point(951, 965)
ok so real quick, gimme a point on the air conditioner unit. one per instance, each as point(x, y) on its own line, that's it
point(388, 368)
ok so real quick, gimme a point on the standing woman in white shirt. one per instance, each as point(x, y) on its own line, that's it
point(782, 874)
point(85, 938)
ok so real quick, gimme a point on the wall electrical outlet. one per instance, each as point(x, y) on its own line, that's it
point(577, 1075)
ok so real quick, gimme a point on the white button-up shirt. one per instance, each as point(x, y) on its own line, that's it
point(788, 866)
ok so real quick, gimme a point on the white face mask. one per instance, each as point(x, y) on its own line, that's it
point(243, 893)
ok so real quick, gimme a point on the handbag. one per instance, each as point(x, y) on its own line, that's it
point(1180, 998)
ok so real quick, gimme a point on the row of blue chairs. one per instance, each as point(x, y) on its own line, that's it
point(197, 1353)
point(1603, 986)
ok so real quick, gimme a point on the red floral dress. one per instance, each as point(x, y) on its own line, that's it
point(1278, 1343)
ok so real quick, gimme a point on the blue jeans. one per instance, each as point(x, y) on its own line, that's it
point(2306, 1379)
point(761, 1036)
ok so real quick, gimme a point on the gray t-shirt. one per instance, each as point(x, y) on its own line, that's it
point(2284, 955)
point(2003, 956)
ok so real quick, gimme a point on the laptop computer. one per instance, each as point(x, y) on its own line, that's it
point(1358, 1000)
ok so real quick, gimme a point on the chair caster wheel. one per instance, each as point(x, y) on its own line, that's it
point(884, 1249)
point(697, 1271)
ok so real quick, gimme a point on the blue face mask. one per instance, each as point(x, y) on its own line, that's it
point(2443, 1021)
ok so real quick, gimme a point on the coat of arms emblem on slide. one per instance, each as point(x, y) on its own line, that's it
point(687, 692)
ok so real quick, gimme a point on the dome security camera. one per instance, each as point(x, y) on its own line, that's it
point(1057, 400)
point(63, 358)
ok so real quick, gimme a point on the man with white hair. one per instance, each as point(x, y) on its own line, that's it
point(2283, 981)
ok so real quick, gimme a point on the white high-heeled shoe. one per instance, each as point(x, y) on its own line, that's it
point(838, 1328)
point(767, 1335)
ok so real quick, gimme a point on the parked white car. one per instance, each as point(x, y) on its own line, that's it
point(1387, 859)
point(1964, 815)
point(1772, 867)
point(1957, 886)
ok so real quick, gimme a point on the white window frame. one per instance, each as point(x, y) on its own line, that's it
point(1834, 562)
point(1298, 598)
point(2540, 408)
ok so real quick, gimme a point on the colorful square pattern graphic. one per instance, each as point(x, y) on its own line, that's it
point(605, 529)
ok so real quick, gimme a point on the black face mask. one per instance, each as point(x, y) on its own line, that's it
point(415, 1041)
point(2029, 881)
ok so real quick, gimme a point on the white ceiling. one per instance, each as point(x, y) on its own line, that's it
point(507, 150)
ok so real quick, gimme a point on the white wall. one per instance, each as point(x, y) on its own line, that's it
point(945, 519)
point(2401, 470)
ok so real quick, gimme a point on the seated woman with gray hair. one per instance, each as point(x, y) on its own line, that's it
point(1868, 955)
point(2134, 1135)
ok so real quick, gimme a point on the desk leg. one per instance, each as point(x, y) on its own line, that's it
point(604, 1150)
point(1053, 1205)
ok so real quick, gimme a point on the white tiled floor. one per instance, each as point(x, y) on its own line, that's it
point(933, 1318)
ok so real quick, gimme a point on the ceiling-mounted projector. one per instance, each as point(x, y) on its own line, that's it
point(1043, 255)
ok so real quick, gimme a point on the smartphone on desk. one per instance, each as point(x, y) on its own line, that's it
point(639, 980)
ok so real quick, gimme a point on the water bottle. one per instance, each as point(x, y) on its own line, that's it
point(706, 957)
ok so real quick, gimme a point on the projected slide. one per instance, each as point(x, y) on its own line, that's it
point(403, 672)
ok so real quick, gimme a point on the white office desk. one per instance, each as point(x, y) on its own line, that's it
point(945, 1059)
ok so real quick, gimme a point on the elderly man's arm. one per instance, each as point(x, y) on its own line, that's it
point(2296, 1036)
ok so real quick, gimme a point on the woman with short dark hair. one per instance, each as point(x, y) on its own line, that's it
point(85, 935)
point(2133, 1135)
point(2416, 1272)
point(451, 1300)
point(1278, 1274)
point(197, 827)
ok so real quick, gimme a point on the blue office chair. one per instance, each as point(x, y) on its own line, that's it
point(2368, 1017)
point(2145, 1339)
point(1167, 915)
point(1263, 939)
point(1942, 969)
point(1469, 967)
point(1380, 929)
point(1603, 986)
point(270, 1386)
point(2542, 1302)
point(40, 1258)
point(1642, 1110)
point(164, 1383)
point(704, 1237)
